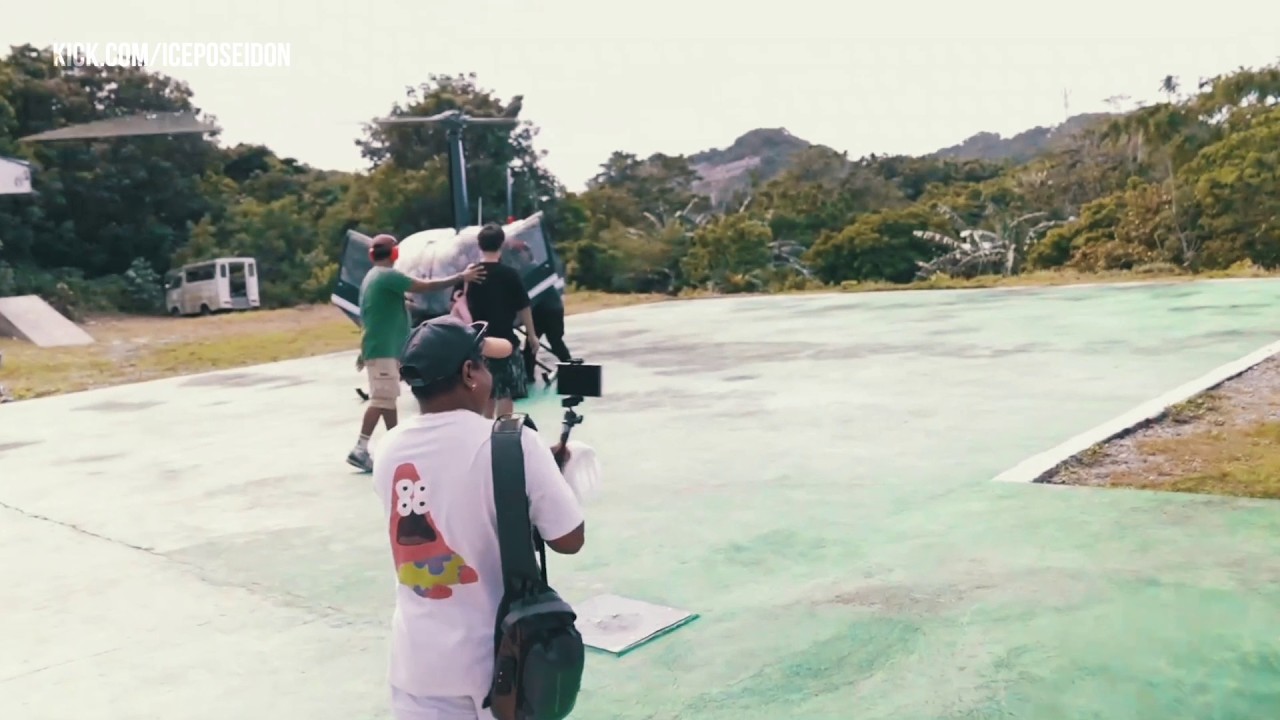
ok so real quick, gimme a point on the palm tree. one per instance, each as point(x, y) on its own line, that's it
point(975, 251)
point(787, 254)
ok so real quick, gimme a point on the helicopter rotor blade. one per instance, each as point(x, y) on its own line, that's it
point(405, 121)
point(414, 119)
point(492, 121)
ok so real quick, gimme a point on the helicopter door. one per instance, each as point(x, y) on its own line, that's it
point(537, 261)
point(355, 265)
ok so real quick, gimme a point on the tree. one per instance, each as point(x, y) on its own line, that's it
point(821, 192)
point(877, 246)
point(488, 149)
point(977, 251)
point(660, 185)
point(724, 254)
point(1118, 232)
point(914, 175)
point(102, 203)
point(1236, 203)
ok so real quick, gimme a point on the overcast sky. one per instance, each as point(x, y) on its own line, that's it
point(680, 76)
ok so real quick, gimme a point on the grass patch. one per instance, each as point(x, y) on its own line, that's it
point(134, 349)
point(1225, 441)
point(1193, 409)
point(1091, 456)
point(580, 301)
point(1052, 278)
point(1241, 462)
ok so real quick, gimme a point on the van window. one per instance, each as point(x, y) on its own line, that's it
point(251, 271)
point(222, 270)
point(200, 273)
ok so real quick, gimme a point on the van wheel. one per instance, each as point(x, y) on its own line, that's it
point(204, 310)
point(174, 312)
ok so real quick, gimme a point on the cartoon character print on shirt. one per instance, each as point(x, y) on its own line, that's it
point(424, 561)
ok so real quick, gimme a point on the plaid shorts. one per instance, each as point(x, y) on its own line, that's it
point(508, 377)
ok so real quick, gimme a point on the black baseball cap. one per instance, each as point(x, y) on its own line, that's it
point(437, 348)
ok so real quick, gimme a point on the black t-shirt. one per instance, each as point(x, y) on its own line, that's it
point(498, 299)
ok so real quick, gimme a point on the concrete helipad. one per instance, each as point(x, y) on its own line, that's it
point(811, 475)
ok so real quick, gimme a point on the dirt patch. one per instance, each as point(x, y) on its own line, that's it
point(134, 349)
point(1225, 441)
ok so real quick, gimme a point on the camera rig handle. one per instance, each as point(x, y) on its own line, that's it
point(571, 418)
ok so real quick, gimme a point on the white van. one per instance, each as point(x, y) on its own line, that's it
point(218, 285)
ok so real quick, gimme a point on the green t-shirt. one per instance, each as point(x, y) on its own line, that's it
point(383, 314)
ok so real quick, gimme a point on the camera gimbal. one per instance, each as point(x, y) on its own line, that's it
point(571, 418)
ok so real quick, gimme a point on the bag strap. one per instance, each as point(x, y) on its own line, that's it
point(517, 538)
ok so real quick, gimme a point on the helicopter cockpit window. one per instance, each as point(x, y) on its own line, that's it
point(526, 247)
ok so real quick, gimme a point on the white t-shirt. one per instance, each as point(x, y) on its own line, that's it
point(434, 474)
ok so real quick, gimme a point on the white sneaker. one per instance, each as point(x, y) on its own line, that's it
point(359, 458)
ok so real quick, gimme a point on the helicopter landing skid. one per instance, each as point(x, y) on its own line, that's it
point(548, 373)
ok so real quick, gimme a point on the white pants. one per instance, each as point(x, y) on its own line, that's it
point(416, 707)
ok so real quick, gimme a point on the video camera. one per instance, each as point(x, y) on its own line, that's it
point(576, 381)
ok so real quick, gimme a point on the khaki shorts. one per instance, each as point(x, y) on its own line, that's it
point(384, 382)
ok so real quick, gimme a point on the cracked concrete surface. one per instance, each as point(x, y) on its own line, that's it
point(811, 475)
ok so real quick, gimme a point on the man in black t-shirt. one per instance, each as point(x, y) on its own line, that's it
point(498, 301)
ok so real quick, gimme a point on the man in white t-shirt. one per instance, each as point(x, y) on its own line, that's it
point(434, 474)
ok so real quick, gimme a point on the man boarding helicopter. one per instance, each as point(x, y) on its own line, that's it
point(384, 331)
point(443, 252)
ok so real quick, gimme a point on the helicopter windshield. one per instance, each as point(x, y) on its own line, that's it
point(442, 252)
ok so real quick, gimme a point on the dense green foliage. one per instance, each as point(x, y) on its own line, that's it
point(1191, 182)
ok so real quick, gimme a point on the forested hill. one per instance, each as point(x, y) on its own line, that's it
point(762, 153)
point(1189, 183)
point(1026, 145)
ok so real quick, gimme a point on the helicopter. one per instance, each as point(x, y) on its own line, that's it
point(428, 253)
point(446, 251)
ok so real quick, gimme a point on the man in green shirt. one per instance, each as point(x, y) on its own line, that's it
point(385, 325)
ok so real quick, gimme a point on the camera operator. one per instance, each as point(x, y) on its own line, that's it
point(434, 475)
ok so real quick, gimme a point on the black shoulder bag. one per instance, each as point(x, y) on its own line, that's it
point(538, 653)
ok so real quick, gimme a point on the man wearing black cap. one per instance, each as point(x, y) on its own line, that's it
point(434, 475)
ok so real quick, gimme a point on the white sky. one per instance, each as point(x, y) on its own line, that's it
point(679, 76)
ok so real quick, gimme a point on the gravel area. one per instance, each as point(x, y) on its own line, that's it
point(1150, 456)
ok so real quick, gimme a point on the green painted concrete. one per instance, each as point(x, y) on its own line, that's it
point(812, 475)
